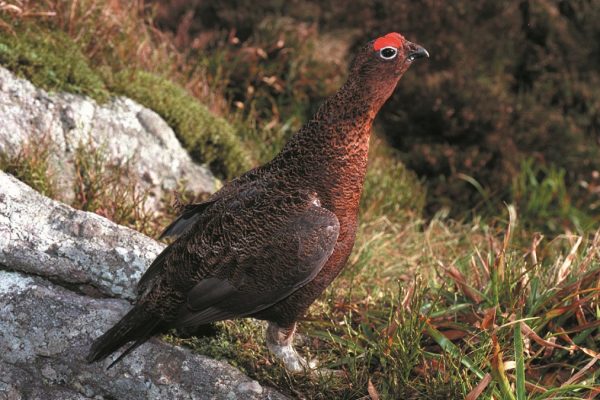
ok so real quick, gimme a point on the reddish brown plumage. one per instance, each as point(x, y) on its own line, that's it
point(236, 254)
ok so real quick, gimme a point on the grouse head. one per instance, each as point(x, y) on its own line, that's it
point(380, 63)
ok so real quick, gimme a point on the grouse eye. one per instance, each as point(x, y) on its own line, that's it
point(387, 53)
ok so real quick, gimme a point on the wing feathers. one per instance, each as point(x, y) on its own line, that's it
point(185, 221)
point(293, 257)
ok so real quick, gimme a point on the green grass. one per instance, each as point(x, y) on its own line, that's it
point(99, 185)
point(390, 189)
point(51, 60)
point(542, 196)
point(108, 189)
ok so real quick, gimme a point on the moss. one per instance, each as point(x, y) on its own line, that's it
point(50, 60)
point(208, 138)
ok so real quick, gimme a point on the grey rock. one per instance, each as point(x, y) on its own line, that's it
point(47, 238)
point(46, 330)
point(127, 133)
point(51, 257)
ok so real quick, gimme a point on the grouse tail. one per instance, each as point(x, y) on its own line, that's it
point(136, 326)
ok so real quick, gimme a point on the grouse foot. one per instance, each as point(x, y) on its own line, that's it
point(280, 343)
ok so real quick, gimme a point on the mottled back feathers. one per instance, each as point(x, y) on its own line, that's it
point(245, 252)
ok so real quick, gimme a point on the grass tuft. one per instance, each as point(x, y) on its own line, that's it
point(107, 189)
point(31, 165)
point(544, 201)
point(390, 188)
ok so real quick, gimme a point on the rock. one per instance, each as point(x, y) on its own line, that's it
point(47, 238)
point(126, 133)
point(45, 333)
point(51, 257)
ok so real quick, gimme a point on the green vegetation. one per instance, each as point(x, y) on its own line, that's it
point(107, 189)
point(275, 81)
point(390, 189)
point(99, 186)
point(428, 306)
point(507, 82)
point(276, 75)
point(50, 60)
point(542, 195)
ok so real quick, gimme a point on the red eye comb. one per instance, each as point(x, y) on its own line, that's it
point(392, 39)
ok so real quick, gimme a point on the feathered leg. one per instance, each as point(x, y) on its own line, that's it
point(280, 343)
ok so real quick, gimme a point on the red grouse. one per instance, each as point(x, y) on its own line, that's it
point(269, 242)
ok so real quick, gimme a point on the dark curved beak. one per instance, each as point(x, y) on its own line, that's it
point(415, 51)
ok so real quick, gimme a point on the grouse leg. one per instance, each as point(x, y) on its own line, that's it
point(280, 342)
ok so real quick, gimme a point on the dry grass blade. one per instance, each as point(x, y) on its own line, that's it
point(593, 253)
point(537, 239)
point(565, 268)
point(589, 352)
point(499, 265)
point(489, 319)
point(454, 334)
point(499, 370)
point(576, 377)
point(564, 336)
point(527, 331)
point(22, 10)
point(373, 393)
point(461, 282)
point(483, 262)
point(531, 387)
point(10, 8)
point(408, 297)
point(558, 311)
point(477, 390)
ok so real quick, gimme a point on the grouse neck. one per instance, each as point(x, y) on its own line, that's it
point(340, 129)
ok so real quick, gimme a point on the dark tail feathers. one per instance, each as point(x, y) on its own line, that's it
point(137, 325)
